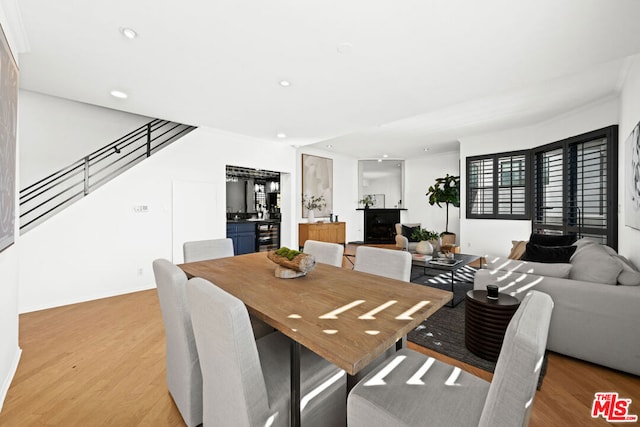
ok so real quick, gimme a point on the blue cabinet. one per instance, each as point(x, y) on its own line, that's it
point(243, 235)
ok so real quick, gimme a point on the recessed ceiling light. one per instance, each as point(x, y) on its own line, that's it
point(427, 149)
point(281, 135)
point(385, 155)
point(379, 160)
point(329, 146)
point(119, 94)
point(345, 48)
point(129, 33)
point(285, 83)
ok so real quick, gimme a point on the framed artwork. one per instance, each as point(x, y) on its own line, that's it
point(632, 179)
point(317, 181)
point(8, 128)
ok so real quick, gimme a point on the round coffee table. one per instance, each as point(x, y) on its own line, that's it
point(486, 321)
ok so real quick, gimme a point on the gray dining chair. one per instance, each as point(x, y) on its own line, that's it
point(201, 250)
point(247, 381)
point(325, 252)
point(391, 263)
point(184, 379)
point(412, 389)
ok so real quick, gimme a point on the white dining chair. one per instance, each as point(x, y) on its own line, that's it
point(391, 263)
point(184, 379)
point(201, 250)
point(247, 381)
point(412, 389)
point(325, 252)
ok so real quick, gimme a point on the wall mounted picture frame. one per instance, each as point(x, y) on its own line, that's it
point(8, 132)
point(632, 179)
point(317, 181)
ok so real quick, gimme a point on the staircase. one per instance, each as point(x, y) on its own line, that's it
point(53, 193)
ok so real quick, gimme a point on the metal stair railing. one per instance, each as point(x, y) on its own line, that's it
point(53, 193)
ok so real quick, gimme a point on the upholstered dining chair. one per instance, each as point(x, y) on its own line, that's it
point(201, 250)
point(390, 263)
point(207, 249)
point(325, 252)
point(412, 389)
point(247, 381)
point(184, 378)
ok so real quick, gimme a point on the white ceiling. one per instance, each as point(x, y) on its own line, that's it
point(412, 73)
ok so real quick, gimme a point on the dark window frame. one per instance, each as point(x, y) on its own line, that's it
point(573, 223)
point(497, 183)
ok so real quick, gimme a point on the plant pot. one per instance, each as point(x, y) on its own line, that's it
point(448, 239)
point(424, 247)
point(435, 244)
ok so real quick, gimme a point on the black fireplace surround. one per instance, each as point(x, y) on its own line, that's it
point(380, 224)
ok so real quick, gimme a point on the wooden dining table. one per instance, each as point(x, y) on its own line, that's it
point(345, 316)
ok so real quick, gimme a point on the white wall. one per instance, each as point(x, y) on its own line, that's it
point(629, 238)
point(55, 132)
point(100, 247)
point(483, 236)
point(9, 350)
point(345, 191)
point(420, 174)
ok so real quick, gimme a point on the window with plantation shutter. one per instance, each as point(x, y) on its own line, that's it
point(575, 187)
point(497, 186)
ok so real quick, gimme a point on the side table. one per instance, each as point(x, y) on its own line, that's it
point(486, 321)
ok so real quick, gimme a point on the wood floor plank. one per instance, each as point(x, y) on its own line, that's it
point(102, 363)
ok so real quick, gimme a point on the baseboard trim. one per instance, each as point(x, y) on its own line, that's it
point(7, 381)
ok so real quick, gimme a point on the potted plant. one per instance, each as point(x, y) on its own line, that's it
point(311, 203)
point(445, 190)
point(428, 240)
point(367, 200)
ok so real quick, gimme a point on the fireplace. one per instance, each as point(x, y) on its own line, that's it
point(379, 225)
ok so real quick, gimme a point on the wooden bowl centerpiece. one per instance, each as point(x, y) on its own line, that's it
point(291, 263)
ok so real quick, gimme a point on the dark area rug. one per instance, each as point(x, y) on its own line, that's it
point(443, 331)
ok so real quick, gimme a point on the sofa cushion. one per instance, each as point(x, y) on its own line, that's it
point(559, 270)
point(551, 254)
point(592, 263)
point(517, 249)
point(551, 239)
point(408, 231)
point(629, 276)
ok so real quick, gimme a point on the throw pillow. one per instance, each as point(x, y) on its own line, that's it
point(551, 254)
point(629, 276)
point(592, 263)
point(518, 248)
point(408, 231)
point(551, 239)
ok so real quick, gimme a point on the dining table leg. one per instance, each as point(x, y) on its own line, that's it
point(295, 383)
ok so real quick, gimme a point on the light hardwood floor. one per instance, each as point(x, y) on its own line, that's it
point(102, 363)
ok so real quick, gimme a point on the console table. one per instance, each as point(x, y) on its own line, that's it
point(332, 232)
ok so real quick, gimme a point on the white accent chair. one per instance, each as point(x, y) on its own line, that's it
point(184, 379)
point(402, 241)
point(247, 381)
point(390, 263)
point(325, 252)
point(412, 389)
point(201, 250)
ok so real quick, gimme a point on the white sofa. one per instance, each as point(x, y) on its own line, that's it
point(595, 317)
